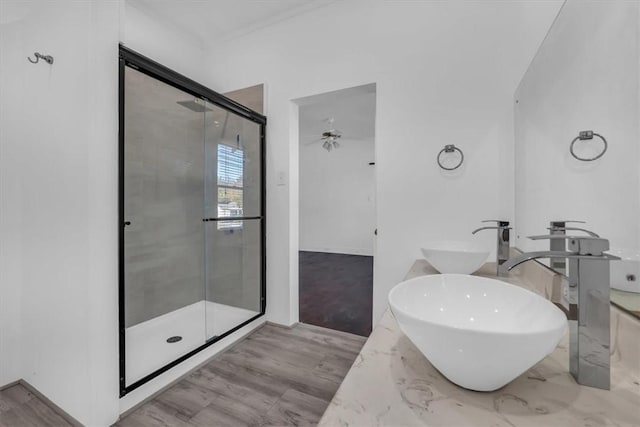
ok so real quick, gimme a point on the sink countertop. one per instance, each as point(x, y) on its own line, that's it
point(391, 383)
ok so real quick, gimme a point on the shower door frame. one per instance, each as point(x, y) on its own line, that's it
point(132, 59)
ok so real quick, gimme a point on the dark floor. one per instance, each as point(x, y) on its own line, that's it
point(336, 291)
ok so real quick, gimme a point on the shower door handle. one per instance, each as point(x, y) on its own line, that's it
point(232, 218)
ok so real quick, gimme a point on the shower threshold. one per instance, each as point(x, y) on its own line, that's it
point(147, 349)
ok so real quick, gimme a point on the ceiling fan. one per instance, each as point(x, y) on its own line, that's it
point(329, 137)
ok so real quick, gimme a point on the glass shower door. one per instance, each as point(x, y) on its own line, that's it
point(163, 228)
point(234, 220)
point(192, 218)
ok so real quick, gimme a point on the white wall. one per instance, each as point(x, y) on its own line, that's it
point(445, 73)
point(58, 203)
point(159, 40)
point(11, 89)
point(337, 211)
point(595, 87)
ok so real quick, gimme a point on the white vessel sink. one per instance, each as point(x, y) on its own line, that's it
point(479, 333)
point(455, 256)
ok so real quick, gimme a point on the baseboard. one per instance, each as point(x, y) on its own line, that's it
point(333, 331)
point(8, 385)
point(58, 410)
point(340, 251)
point(279, 325)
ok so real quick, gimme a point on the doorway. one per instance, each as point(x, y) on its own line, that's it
point(337, 209)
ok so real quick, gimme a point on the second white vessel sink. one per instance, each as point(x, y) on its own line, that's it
point(455, 256)
point(480, 333)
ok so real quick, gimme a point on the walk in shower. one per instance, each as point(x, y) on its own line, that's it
point(192, 235)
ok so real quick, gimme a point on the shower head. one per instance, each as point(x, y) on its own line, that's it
point(196, 105)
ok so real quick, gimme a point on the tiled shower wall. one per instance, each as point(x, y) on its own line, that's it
point(166, 177)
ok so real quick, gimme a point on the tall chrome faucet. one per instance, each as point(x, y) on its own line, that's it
point(589, 359)
point(503, 242)
point(560, 228)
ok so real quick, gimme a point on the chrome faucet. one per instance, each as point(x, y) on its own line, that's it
point(503, 242)
point(589, 359)
point(560, 228)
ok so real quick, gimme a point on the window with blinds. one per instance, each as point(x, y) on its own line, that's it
point(230, 187)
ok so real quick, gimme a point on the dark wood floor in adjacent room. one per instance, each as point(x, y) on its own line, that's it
point(336, 291)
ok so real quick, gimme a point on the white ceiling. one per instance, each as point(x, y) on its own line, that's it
point(214, 20)
point(353, 111)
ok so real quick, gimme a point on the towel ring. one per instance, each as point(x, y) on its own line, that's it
point(450, 148)
point(586, 135)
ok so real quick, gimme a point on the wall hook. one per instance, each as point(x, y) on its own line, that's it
point(46, 58)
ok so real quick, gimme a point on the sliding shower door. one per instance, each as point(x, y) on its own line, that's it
point(233, 206)
point(192, 218)
point(164, 232)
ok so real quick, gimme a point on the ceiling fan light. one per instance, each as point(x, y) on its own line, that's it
point(330, 137)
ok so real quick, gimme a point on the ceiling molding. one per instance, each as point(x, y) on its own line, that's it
point(201, 21)
point(289, 14)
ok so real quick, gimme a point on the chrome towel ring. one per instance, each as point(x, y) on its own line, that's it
point(586, 135)
point(450, 148)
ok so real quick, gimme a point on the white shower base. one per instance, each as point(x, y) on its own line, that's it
point(146, 343)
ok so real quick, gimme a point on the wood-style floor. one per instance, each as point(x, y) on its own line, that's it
point(19, 407)
point(336, 291)
point(275, 376)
